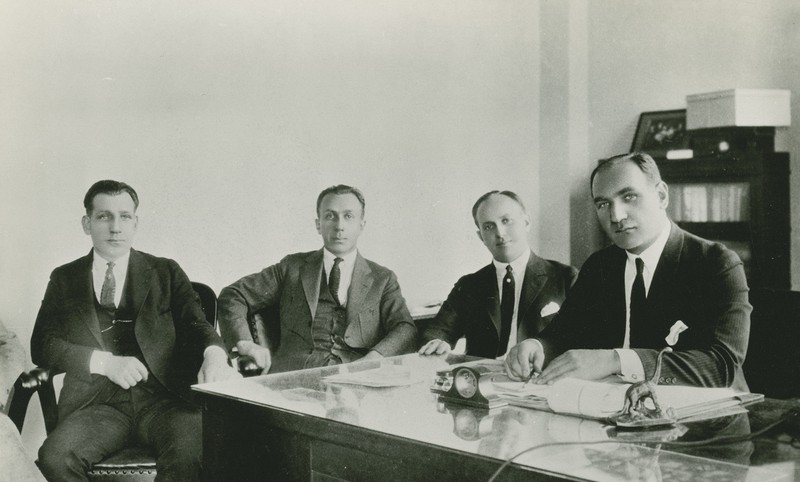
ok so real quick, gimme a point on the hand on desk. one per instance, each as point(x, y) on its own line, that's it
point(435, 347)
point(215, 366)
point(260, 354)
point(528, 357)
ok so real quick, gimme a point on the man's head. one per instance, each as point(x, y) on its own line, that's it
point(340, 218)
point(630, 200)
point(503, 224)
point(110, 217)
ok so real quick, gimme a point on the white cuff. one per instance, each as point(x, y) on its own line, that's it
point(214, 349)
point(631, 368)
point(97, 362)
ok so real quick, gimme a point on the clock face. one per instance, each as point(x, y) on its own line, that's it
point(466, 383)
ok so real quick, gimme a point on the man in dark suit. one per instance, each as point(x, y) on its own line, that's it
point(513, 298)
point(335, 306)
point(128, 330)
point(630, 295)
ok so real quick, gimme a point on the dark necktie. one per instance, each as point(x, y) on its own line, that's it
point(506, 309)
point(333, 280)
point(638, 299)
point(109, 286)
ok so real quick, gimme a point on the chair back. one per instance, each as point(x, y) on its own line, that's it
point(208, 301)
point(772, 365)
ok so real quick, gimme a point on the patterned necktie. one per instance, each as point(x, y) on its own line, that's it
point(109, 286)
point(638, 298)
point(333, 281)
point(506, 310)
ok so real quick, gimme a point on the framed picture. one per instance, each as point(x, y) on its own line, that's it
point(661, 131)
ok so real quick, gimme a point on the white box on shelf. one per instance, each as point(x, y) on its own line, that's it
point(739, 107)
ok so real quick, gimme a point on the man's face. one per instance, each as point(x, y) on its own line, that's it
point(630, 208)
point(340, 222)
point(111, 224)
point(503, 227)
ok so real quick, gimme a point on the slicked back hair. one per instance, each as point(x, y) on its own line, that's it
point(641, 159)
point(509, 194)
point(342, 189)
point(112, 188)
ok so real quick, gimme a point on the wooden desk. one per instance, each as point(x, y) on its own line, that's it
point(295, 426)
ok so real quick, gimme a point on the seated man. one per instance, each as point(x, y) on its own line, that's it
point(335, 306)
point(512, 298)
point(629, 296)
point(128, 330)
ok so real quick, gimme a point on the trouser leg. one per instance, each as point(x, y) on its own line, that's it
point(84, 437)
point(174, 429)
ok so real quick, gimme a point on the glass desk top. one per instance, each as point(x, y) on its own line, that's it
point(601, 453)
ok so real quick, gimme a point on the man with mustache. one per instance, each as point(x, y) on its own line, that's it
point(512, 298)
point(335, 306)
point(127, 329)
point(629, 296)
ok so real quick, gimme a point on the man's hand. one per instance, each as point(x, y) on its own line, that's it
point(215, 366)
point(524, 358)
point(435, 347)
point(125, 371)
point(583, 364)
point(260, 354)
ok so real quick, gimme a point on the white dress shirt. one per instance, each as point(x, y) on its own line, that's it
point(120, 270)
point(631, 368)
point(518, 267)
point(345, 270)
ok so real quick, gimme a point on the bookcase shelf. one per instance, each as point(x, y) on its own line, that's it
point(741, 200)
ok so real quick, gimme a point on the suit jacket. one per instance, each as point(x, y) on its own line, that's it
point(377, 316)
point(472, 308)
point(696, 281)
point(170, 327)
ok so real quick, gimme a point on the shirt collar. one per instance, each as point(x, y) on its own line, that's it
point(99, 262)
point(651, 255)
point(518, 265)
point(348, 259)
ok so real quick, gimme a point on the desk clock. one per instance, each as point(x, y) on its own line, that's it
point(469, 384)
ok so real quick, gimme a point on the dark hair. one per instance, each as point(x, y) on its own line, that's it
point(642, 160)
point(342, 189)
point(509, 194)
point(109, 187)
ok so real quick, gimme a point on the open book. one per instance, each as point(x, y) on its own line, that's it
point(601, 400)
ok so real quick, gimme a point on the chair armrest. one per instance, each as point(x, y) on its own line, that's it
point(39, 380)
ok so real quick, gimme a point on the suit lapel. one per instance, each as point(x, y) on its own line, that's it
point(488, 281)
point(310, 276)
point(613, 276)
point(532, 284)
point(137, 282)
point(360, 285)
point(664, 278)
point(85, 293)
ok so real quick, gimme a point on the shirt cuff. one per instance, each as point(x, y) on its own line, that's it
point(631, 368)
point(98, 361)
point(212, 349)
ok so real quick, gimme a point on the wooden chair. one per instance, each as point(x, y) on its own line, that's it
point(133, 463)
point(772, 365)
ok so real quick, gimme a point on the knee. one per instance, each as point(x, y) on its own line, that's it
point(58, 461)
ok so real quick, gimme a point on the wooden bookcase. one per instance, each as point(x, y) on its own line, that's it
point(741, 199)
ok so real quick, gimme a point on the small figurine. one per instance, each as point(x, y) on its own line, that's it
point(635, 412)
point(638, 393)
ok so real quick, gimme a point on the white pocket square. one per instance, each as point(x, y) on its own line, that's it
point(549, 309)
